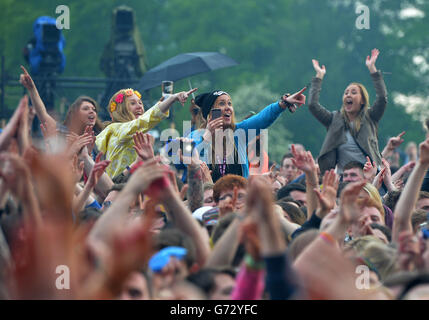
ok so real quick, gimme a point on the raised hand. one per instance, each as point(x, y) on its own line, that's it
point(297, 98)
point(387, 178)
point(260, 206)
point(26, 80)
point(369, 170)
point(349, 208)
point(424, 153)
point(399, 184)
point(397, 176)
point(143, 143)
point(320, 71)
point(15, 173)
point(327, 198)
point(48, 130)
point(12, 126)
point(378, 180)
point(260, 200)
point(409, 255)
point(303, 160)
point(206, 173)
point(89, 130)
point(183, 96)
point(409, 166)
point(146, 174)
point(78, 143)
point(77, 168)
point(395, 142)
point(248, 235)
point(97, 170)
point(370, 61)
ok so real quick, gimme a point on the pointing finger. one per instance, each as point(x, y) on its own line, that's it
point(191, 91)
point(302, 90)
point(24, 70)
point(401, 134)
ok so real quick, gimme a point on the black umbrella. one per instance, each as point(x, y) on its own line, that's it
point(184, 65)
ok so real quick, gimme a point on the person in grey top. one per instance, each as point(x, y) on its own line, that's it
point(352, 131)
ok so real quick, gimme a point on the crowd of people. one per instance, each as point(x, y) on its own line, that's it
point(95, 210)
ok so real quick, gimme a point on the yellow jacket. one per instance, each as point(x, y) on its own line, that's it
point(116, 140)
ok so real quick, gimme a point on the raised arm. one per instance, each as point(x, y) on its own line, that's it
point(195, 194)
point(184, 221)
point(409, 196)
point(379, 106)
point(104, 182)
point(117, 213)
point(197, 176)
point(12, 126)
point(317, 110)
point(326, 198)
point(269, 114)
point(249, 283)
point(96, 172)
point(181, 97)
point(26, 80)
point(324, 271)
point(281, 281)
point(226, 246)
point(17, 177)
point(392, 144)
point(402, 170)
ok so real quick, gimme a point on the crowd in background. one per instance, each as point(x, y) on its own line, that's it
point(99, 210)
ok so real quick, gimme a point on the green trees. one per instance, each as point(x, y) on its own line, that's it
point(274, 43)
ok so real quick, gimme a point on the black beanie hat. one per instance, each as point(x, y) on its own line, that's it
point(206, 100)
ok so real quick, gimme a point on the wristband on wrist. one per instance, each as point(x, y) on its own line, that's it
point(135, 167)
point(327, 237)
point(252, 264)
point(291, 107)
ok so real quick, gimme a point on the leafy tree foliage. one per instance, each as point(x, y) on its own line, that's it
point(274, 42)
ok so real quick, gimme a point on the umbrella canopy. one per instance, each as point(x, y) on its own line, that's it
point(184, 65)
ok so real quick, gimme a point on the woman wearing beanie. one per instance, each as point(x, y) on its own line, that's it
point(225, 151)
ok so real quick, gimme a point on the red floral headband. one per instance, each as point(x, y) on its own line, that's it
point(120, 97)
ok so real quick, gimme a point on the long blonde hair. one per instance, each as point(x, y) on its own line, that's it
point(119, 110)
point(364, 107)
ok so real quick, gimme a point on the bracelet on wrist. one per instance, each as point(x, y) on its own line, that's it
point(328, 238)
point(291, 107)
point(135, 166)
